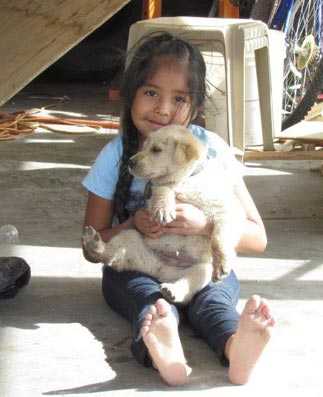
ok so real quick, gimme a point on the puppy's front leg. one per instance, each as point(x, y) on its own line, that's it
point(193, 280)
point(162, 204)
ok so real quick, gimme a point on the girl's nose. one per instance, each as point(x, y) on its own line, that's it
point(164, 107)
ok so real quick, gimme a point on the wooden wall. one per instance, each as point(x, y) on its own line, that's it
point(35, 33)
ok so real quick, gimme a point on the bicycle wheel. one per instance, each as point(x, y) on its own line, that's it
point(303, 70)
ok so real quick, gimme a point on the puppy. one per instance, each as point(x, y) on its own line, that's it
point(174, 162)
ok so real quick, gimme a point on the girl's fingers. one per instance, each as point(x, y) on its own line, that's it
point(155, 227)
point(177, 230)
point(176, 224)
point(154, 235)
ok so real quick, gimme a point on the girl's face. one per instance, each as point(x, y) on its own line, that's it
point(163, 99)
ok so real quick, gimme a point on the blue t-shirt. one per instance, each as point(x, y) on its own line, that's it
point(103, 176)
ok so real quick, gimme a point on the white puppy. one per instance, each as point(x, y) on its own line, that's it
point(173, 160)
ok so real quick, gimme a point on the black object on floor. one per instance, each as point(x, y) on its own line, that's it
point(14, 274)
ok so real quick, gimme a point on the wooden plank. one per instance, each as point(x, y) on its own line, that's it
point(304, 131)
point(35, 33)
point(151, 9)
point(276, 155)
point(228, 10)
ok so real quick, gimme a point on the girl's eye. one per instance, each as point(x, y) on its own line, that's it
point(150, 93)
point(180, 99)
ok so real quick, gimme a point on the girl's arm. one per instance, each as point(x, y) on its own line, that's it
point(253, 238)
point(191, 220)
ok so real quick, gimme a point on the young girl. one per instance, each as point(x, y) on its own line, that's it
point(164, 83)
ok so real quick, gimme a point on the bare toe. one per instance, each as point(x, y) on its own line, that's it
point(252, 304)
point(162, 307)
point(149, 317)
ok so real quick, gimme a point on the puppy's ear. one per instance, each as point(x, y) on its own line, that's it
point(187, 151)
point(180, 156)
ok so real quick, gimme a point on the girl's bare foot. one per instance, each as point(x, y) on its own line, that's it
point(160, 334)
point(244, 348)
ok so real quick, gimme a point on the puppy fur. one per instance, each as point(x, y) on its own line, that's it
point(170, 159)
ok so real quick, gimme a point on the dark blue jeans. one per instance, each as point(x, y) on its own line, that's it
point(211, 313)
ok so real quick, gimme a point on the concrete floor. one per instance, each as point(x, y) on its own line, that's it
point(58, 337)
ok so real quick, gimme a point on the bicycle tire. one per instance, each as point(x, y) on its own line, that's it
point(307, 101)
point(300, 92)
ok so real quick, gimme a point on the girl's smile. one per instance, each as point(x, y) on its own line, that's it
point(164, 99)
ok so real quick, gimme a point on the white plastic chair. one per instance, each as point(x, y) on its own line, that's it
point(235, 39)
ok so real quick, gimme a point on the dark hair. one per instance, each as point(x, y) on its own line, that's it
point(144, 60)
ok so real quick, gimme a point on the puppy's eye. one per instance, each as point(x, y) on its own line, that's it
point(155, 149)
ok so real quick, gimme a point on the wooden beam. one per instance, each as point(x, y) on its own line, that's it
point(151, 9)
point(275, 155)
point(228, 10)
point(35, 33)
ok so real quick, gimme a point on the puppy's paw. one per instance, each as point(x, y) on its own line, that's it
point(173, 293)
point(164, 215)
point(168, 292)
point(93, 243)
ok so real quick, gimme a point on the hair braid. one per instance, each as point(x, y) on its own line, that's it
point(130, 147)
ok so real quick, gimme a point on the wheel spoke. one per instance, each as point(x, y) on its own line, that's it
point(304, 22)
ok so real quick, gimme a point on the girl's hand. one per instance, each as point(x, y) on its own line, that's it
point(189, 220)
point(146, 225)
